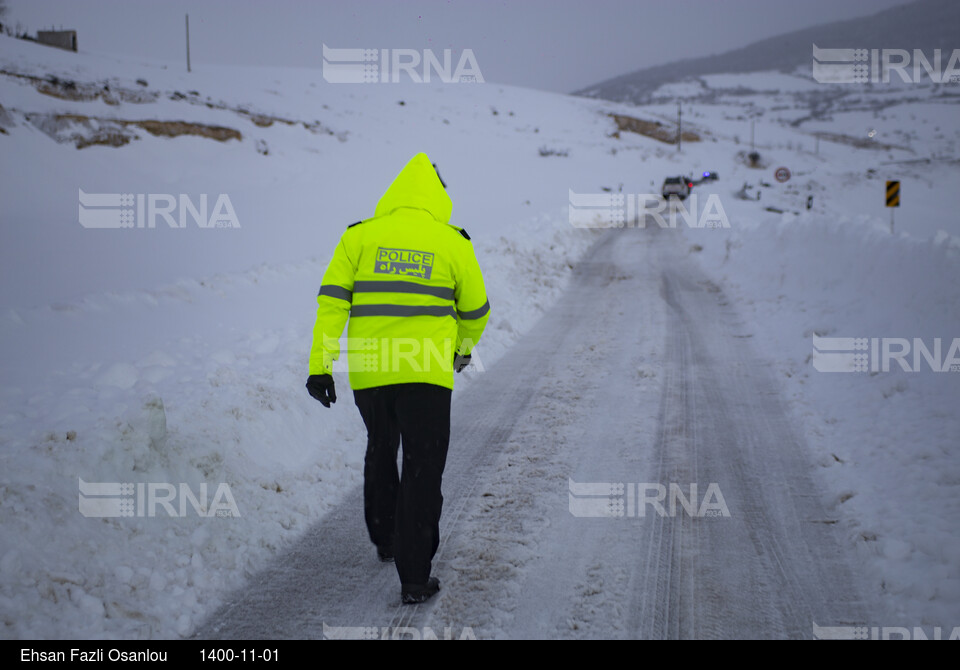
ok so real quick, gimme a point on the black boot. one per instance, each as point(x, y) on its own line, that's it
point(411, 594)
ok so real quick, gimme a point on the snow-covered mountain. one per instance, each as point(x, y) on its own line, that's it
point(924, 24)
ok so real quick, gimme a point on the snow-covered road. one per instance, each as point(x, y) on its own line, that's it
point(642, 375)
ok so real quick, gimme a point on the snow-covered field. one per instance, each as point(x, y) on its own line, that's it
point(179, 355)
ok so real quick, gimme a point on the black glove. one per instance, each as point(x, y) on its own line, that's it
point(460, 362)
point(321, 387)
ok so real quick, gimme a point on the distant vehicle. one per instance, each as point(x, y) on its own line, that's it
point(710, 176)
point(676, 187)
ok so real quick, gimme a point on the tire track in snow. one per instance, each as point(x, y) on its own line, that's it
point(775, 566)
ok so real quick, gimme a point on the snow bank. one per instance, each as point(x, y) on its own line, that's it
point(886, 441)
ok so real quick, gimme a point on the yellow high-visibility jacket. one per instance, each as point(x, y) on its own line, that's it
point(410, 284)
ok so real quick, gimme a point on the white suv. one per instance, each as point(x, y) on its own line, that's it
point(676, 187)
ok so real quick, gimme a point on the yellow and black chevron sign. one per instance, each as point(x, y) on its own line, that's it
point(893, 194)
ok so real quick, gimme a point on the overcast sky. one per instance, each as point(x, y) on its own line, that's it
point(557, 45)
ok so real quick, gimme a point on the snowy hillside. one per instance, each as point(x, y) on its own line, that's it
point(179, 354)
point(932, 24)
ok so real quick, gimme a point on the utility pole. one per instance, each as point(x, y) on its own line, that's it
point(187, 16)
point(679, 128)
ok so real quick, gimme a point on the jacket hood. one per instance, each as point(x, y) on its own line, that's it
point(417, 186)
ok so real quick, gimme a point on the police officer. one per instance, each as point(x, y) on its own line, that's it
point(411, 286)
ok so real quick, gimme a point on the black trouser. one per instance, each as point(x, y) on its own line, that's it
point(403, 511)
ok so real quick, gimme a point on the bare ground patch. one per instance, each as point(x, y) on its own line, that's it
point(84, 131)
point(112, 93)
point(67, 89)
point(653, 129)
point(858, 142)
point(5, 121)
